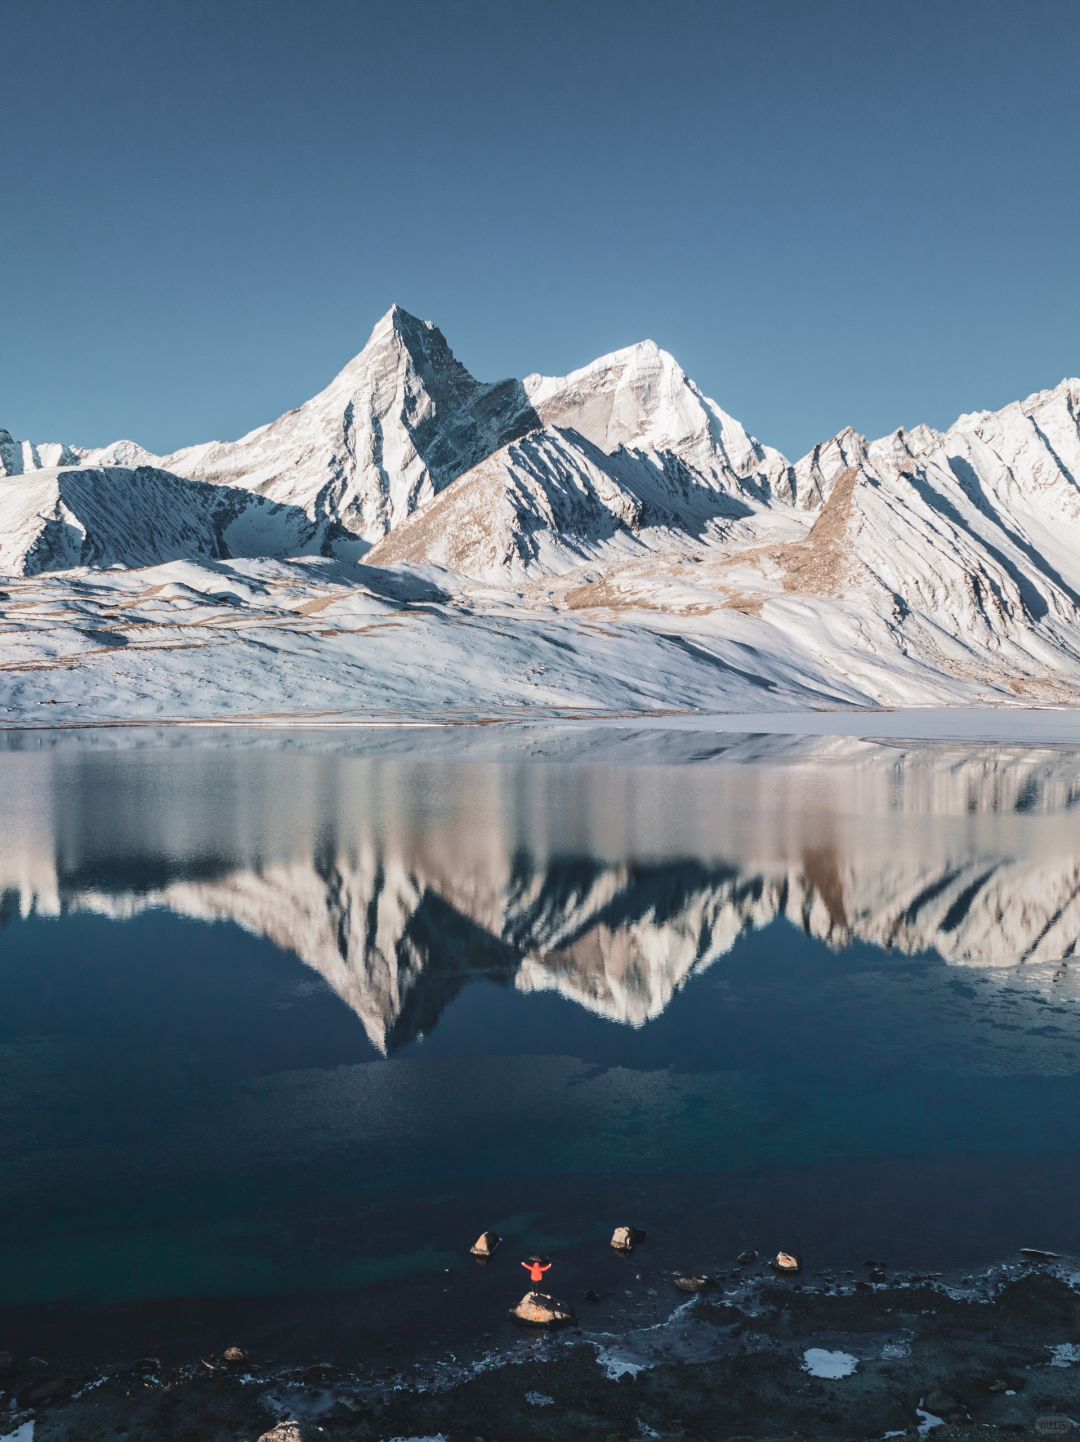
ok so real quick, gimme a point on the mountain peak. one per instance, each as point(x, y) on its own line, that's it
point(641, 398)
point(643, 356)
point(413, 341)
point(399, 321)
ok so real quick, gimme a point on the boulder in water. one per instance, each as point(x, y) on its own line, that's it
point(540, 1310)
point(787, 1262)
point(485, 1245)
point(234, 1354)
point(625, 1239)
point(693, 1284)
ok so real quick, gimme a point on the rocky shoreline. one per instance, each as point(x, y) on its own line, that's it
point(757, 1356)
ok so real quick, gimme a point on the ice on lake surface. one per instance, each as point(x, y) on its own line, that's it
point(301, 1015)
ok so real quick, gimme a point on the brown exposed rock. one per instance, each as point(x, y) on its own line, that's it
point(821, 565)
point(625, 1239)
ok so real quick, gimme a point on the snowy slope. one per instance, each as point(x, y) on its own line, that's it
point(54, 520)
point(641, 398)
point(554, 499)
point(256, 639)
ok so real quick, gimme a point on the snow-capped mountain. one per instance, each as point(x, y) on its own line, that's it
point(405, 419)
point(128, 454)
point(393, 429)
point(55, 520)
point(925, 567)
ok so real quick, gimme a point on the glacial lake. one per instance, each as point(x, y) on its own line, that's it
point(287, 1019)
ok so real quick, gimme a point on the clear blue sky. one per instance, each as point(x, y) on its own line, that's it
point(831, 211)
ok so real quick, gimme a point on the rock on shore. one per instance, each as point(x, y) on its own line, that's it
point(540, 1310)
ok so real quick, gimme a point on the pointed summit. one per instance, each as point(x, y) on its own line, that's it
point(398, 325)
point(399, 340)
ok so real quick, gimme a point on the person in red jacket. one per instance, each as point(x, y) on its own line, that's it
point(536, 1267)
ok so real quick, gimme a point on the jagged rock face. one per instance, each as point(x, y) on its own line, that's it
point(974, 533)
point(393, 429)
point(54, 520)
point(18, 457)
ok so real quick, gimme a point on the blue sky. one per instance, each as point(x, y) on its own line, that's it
point(836, 212)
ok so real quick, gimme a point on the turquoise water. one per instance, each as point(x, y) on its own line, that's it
point(301, 1022)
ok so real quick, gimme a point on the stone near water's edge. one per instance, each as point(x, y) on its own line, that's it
point(693, 1284)
point(234, 1354)
point(787, 1262)
point(285, 1432)
point(540, 1310)
point(914, 1346)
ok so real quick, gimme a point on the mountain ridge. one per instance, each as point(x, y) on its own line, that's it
point(607, 382)
point(922, 567)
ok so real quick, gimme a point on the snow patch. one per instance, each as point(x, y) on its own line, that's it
point(25, 1433)
point(830, 1365)
point(927, 1420)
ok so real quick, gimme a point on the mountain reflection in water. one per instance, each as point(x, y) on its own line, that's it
point(400, 867)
